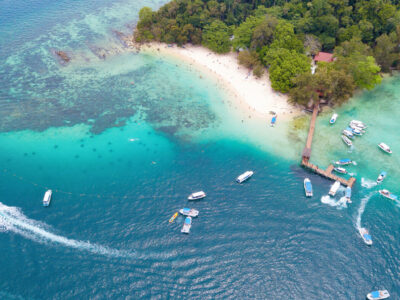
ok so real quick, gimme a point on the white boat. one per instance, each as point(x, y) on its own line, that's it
point(340, 170)
point(348, 133)
point(197, 195)
point(334, 188)
point(308, 187)
point(389, 195)
point(347, 141)
point(365, 236)
point(243, 177)
point(191, 212)
point(357, 131)
point(333, 119)
point(358, 124)
point(47, 198)
point(348, 194)
point(187, 225)
point(381, 177)
point(344, 161)
point(377, 295)
point(385, 148)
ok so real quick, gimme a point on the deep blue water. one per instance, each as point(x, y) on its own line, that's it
point(121, 159)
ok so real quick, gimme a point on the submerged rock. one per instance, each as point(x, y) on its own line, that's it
point(63, 56)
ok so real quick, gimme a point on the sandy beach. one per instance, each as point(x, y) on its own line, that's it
point(254, 94)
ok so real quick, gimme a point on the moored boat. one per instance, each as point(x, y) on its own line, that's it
point(273, 120)
point(191, 212)
point(348, 133)
point(340, 170)
point(358, 124)
point(173, 217)
point(197, 195)
point(308, 187)
point(381, 177)
point(389, 195)
point(377, 295)
point(187, 225)
point(243, 177)
point(47, 198)
point(333, 119)
point(365, 236)
point(347, 141)
point(357, 131)
point(344, 161)
point(385, 148)
point(334, 188)
point(348, 194)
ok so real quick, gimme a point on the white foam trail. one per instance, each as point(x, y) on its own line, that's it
point(12, 219)
point(354, 163)
point(361, 209)
point(342, 203)
point(367, 183)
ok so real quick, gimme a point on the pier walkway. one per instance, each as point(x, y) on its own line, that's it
point(305, 161)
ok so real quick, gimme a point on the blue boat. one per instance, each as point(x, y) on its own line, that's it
point(345, 161)
point(348, 194)
point(308, 187)
point(273, 120)
point(381, 177)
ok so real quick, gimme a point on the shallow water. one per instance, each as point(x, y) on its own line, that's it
point(122, 141)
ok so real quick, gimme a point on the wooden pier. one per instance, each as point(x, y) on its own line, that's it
point(305, 161)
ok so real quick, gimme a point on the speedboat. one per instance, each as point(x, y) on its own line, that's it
point(308, 187)
point(357, 131)
point(389, 195)
point(273, 120)
point(365, 236)
point(347, 141)
point(334, 188)
point(243, 177)
point(385, 148)
point(348, 194)
point(333, 119)
point(381, 177)
point(191, 212)
point(173, 217)
point(377, 295)
point(47, 198)
point(348, 133)
point(344, 161)
point(187, 225)
point(197, 195)
point(340, 170)
point(358, 124)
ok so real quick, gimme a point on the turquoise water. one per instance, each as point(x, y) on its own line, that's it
point(122, 140)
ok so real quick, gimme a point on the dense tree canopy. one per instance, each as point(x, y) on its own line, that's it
point(364, 35)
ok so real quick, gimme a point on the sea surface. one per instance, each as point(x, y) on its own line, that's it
point(122, 138)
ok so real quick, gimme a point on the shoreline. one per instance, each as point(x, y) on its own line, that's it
point(253, 95)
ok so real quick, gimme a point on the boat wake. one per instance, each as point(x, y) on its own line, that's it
point(340, 204)
point(367, 183)
point(361, 210)
point(13, 220)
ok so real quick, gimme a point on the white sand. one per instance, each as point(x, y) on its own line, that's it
point(249, 92)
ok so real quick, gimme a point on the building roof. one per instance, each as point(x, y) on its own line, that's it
point(324, 56)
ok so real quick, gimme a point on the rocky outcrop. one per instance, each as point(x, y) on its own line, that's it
point(63, 56)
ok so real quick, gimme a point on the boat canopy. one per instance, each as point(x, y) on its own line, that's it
point(383, 173)
point(187, 221)
point(197, 194)
point(345, 160)
point(348, 192)
point(186, 209)
point(375, 294)
point(308, 186)
point(367, 237)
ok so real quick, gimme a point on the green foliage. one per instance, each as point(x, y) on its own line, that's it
point(284, 65)
point(384, 51)
point(285, 38)
point(244, 32)
point(216, 37)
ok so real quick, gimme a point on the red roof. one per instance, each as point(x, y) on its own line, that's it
point(324, 56)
